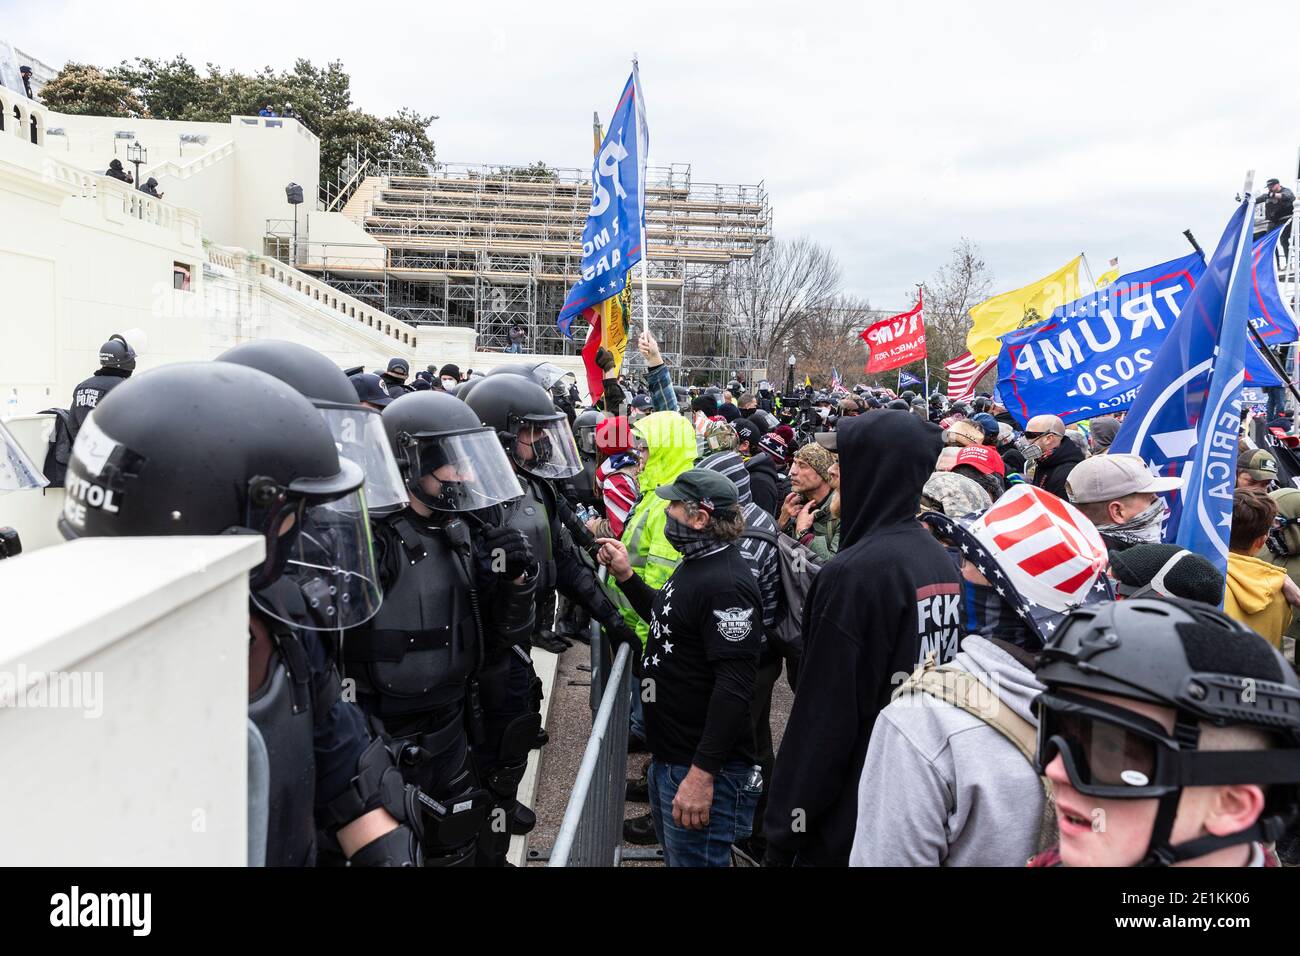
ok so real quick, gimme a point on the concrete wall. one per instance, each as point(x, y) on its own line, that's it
point(235, 180)
point(93, 257)
point(121, 767)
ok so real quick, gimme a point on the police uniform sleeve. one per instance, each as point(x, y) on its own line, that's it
point(339, 731)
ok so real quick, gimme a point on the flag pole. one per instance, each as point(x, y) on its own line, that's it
point(644, 160)
point(920, 301)
point(1088, 269)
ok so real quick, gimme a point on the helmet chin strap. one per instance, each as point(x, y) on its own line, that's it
point(1160, 852)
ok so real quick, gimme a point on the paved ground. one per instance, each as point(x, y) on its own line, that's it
point(569, 725)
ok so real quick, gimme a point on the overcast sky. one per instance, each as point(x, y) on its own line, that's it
point(886, 131)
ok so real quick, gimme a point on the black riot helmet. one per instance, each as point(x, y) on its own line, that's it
point(584, 431)
point(206, 448)
point(117, 353)
point(536, 436)
point(451, 462)
point(1191, 658)
point(358, 431)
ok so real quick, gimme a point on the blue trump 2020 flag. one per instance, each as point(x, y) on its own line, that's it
point(1092, 354)
point(615, 230)
point(906, 379)
point(1187, 413)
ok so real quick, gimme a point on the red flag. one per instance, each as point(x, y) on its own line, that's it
point(897, 340)
point(595, 376)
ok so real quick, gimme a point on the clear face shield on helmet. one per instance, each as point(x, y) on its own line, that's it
point(317, 538)
point(359, 436)
point(546, 447)
point(17, 471)
point(461, 471)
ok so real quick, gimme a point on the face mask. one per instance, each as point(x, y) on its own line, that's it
point(1145, 526)
point(449, 383)
point(1029, 449)
point(676, 532)
point(823, 413)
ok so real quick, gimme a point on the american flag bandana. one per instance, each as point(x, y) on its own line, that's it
point(1040, 553)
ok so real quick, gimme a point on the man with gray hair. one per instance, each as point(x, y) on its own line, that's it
point(1053, 454)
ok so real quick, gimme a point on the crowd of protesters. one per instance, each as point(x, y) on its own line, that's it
point(928, 576)
point(994, 657)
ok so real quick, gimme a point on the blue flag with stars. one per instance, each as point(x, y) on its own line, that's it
point(906, 379)
point(1187, 414)
point(611, 240)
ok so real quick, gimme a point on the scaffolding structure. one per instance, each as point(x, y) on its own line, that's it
point(487, 248)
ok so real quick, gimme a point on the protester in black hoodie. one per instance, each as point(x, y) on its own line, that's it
point(890, 596)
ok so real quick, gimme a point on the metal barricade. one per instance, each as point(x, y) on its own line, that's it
point(592, 831)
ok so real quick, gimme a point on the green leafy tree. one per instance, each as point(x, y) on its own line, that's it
point(84, 90)
point(319, 97)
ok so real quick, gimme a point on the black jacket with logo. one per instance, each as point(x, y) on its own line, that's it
point(706, 630)
point(890, 596)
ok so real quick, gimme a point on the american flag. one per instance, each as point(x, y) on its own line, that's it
point(836, 381)
point(1052, 552)
point(963, 373)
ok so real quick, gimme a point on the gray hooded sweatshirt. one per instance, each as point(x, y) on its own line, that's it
point(940, 787)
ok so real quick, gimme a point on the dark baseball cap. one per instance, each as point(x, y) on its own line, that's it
point(747, 431)
point(370, 389)
point(710, 490)
point(1273, 182)
point(399, 366)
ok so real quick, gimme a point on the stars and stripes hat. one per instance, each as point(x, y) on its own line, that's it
point(1040, 553)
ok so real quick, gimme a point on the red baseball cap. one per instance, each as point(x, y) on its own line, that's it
point(983, 458)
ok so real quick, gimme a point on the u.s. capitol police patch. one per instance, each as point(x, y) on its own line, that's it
point(734, 623)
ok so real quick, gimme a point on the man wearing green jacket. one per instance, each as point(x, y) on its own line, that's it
point(670, 450)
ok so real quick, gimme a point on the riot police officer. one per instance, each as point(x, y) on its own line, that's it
point(250, 455)
point(571, 620)
point(116, 363)
point(458, 594)
point(539, 443)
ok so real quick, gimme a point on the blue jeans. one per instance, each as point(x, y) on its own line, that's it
point(731, 817)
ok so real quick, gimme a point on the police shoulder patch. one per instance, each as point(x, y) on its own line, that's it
point(735, 623)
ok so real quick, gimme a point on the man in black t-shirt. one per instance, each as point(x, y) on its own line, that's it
point(706, 628)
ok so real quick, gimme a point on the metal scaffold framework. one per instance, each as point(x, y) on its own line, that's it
point(487, 247)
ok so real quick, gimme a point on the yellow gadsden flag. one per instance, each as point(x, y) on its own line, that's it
point(1008, 311)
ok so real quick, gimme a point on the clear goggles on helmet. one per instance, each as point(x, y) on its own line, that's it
point(17, 471)
point(359, 436)
point(460, 471)
point(545, 447)
point(318, 538)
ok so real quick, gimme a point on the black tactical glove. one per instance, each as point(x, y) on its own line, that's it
point(604, 359)
point(400, 847)
point(505, 552)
